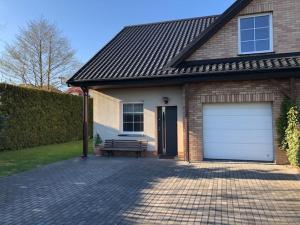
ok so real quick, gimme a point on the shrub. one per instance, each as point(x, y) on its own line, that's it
point(282, 123)
point(36, 117)
point(292, 137)
point(98, 140)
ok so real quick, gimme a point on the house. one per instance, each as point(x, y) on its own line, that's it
point(200, 88)
point(74, 91)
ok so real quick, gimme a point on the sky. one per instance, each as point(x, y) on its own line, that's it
point(90, 24)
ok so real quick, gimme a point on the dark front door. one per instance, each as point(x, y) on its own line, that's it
point(167, 130)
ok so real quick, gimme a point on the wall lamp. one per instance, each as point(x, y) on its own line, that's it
point(166, 100)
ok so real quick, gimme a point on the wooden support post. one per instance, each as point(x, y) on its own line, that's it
point(85, 122)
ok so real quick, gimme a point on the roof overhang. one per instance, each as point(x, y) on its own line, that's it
point(282, 73)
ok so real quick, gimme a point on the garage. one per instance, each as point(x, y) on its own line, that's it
point(238, 131)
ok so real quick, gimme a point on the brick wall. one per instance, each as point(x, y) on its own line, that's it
point(286, 29)
point(231, 92)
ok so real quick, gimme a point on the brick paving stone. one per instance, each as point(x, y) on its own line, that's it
point(151, 191)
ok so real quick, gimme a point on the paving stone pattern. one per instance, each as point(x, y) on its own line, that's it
point(150, 191)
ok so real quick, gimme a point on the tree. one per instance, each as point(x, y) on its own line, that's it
point(39, 57)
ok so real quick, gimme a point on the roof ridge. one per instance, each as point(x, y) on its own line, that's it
point(172, 21)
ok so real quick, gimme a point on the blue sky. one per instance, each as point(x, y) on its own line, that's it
point(89, 24)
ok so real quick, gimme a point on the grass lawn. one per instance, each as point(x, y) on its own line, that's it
point(21, 160)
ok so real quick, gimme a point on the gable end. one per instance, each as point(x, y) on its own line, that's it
point(214, 28)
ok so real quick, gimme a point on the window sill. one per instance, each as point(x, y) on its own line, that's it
point(131, 135)
point(256, 53)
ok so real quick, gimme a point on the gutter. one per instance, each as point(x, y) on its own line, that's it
point(193, 77)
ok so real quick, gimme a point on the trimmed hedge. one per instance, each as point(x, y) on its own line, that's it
point(2, 126)
point(292, 136)
point(35, 117)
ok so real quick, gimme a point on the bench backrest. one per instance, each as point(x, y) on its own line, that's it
point(129, 144)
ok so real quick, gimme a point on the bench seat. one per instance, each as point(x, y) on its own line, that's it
point(136, 146)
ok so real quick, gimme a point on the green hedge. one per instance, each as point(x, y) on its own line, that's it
point(31, 117)
point(2, 126)
point(292, 136)
point(282, 122)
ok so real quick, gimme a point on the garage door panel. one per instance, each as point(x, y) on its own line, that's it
point(243, 109)
point(238, 136)
point(238, 131)
point(259, 152)
point(241, 122)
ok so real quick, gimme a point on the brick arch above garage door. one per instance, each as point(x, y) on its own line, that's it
point(239, 98)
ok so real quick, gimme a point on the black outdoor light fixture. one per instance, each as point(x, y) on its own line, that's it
point(166, 100)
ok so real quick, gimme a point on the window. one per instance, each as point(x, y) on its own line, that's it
point(133, 117)
point(255, 34)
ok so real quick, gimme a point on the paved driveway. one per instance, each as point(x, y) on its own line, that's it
point(150, 191)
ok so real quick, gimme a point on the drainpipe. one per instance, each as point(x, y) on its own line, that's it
point(85, 122)
point(186, 104)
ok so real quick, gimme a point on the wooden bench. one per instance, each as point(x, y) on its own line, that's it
point(125, 146)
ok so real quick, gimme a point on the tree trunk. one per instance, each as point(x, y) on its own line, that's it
point(41, 64)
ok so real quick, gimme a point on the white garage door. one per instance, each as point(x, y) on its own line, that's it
point(238, 131)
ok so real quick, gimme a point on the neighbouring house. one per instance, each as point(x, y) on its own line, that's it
point(74, 91)
point(200, 88)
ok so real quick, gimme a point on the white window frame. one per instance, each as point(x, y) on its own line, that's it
point(271, 33)
point(122, 120)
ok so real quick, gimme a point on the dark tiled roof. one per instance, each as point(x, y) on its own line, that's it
point(142, 50)
point(240, 64)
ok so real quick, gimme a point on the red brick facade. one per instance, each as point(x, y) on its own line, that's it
point(229, 92)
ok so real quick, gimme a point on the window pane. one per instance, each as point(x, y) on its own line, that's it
point(138, 118)
point(247, 23)
point(138, 127)
point(127, 118)
point(262, 21)
point(262, 33)
point(138, 107)
point(247, 46)
point(263, 45)
point(247, 35)
point(128, 127)
point(133, 117)
point(128, 108)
